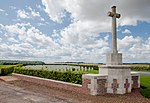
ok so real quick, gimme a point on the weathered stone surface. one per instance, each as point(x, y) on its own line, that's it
point(114, 59)
point(120, 75)
point(98, 83)
point(114, 15)
point(135, 83)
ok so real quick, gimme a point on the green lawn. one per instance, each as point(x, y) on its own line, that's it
point(5, 65)
point(2, 66)
point(91, 72)
point(145, 85)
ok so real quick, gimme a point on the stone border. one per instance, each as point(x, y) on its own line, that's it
point(93, 84)
point(52, 83)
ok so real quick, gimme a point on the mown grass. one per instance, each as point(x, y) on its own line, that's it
point(1, 66)
point(145, 85)
point(91, 72)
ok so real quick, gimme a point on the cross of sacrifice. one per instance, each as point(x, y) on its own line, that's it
point(126, 85)
point(114, 15)
point(114, 86)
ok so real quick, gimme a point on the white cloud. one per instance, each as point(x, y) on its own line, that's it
point(128, 41)
point(1, 10)
point(126, 31)
point(95, 12)
point(12, 40)
point(41, 24)
point(26, 41)
point(134, 49)
point(22, 14)
point(54, 9)
point(89, 18)
point(26, 15)
point(80, 40)
point(39, 7)
point(33, 12)
point(134, 10)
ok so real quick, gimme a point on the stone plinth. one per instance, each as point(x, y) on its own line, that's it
point(103, 69)
point(97, 83)
point(119, 78)
point(114, 59)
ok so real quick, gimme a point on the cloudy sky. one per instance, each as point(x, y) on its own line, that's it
point(73, 30)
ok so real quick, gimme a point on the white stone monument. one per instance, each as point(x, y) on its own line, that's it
point(114, 77)
point(114, 58)
point(119, 76)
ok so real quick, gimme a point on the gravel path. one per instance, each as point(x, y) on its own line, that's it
point(61, 96)
point(14, 94)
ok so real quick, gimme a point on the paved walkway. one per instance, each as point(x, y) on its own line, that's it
point(142, 73)
point(14, 94)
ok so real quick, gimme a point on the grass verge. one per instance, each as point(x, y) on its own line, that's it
point(145, 85)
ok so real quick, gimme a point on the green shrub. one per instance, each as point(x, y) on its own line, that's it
point(95, 67)
point(68, 76)
point(140, 67)
point(19, 65)
point(6, 70)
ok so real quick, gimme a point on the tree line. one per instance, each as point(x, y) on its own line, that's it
point(14, 62)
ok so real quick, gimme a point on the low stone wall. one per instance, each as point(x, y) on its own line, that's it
point(53, 83)
point(93, 84)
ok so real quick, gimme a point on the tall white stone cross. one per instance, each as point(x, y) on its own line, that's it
point(114, 15)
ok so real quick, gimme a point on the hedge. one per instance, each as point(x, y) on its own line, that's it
point(6, 70)
point(140, 67)
point(68, 76)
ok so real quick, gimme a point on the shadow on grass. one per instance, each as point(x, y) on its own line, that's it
point(145, 91)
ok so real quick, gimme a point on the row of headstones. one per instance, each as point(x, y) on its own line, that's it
point(76, 68)
point(60, 67)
